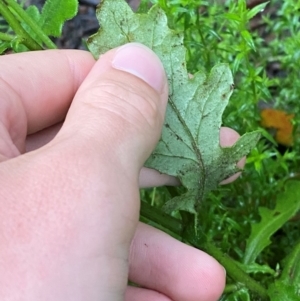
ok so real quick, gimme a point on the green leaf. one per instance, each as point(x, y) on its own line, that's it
point(248, 39)
point(143, 7)
point(33, 12)
point(189, 147)
point(4, 46)
point(55, 13)
point(287, 288)
point(240, 295)
point(287, 205)
point(255, 268)
point(280, 292)
point(256, 9)
point(233, 17)
point(291, 268)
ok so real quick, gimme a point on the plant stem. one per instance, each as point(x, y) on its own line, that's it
point(174, 225)
point(6, 37)
point(234, 271)
point(166, 221)
point(26, 19)
point(18, 29)
point(230, 288)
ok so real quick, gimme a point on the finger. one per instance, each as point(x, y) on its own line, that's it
point(41, 138)
point(153, 178)
point(116, 102)
point(228, 137)
point(138, 294)
point(161, 263)
point(36, 91)
point(83, 184)
point(148, 177)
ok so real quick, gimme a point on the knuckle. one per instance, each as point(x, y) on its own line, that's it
point(129, 102)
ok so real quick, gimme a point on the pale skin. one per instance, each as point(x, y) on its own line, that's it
point(74, 135)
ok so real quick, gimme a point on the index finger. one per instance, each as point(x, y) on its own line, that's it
point(36, 88)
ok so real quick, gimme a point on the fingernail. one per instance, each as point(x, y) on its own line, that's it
point(142, 62)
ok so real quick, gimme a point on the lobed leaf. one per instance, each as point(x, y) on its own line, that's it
point(287, 205)
point(55, 13)
point(189, 147)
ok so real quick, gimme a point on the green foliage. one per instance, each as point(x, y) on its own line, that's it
point(54, 14)
point(287, 205)
point(224, 33)
point(212, 36)
point(32, 29)
point(189, 147)
point(287, 287)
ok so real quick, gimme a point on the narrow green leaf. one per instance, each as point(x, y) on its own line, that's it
point(233, 17)
point(238, 61)
point(190, 146)
point(5, 37)
point(55, 13)
point(248, 39)
point(6, 10)
point(4, 46)
point(240, 295)
point(287, 204)
point(291, 269)
point(256, 9)
point(33, 12)
point(255, 268)
point(33, 32)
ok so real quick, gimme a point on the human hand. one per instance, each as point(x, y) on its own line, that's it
point(69, 208)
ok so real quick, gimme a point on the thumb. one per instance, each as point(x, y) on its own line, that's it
point(77, 200)
point(119, 109)
point(111, 128)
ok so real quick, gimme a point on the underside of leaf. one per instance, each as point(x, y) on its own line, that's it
point(189, 147)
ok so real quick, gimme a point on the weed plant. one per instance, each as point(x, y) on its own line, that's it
point(251, 41)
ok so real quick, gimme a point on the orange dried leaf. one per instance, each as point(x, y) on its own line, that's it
point(281, 121)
